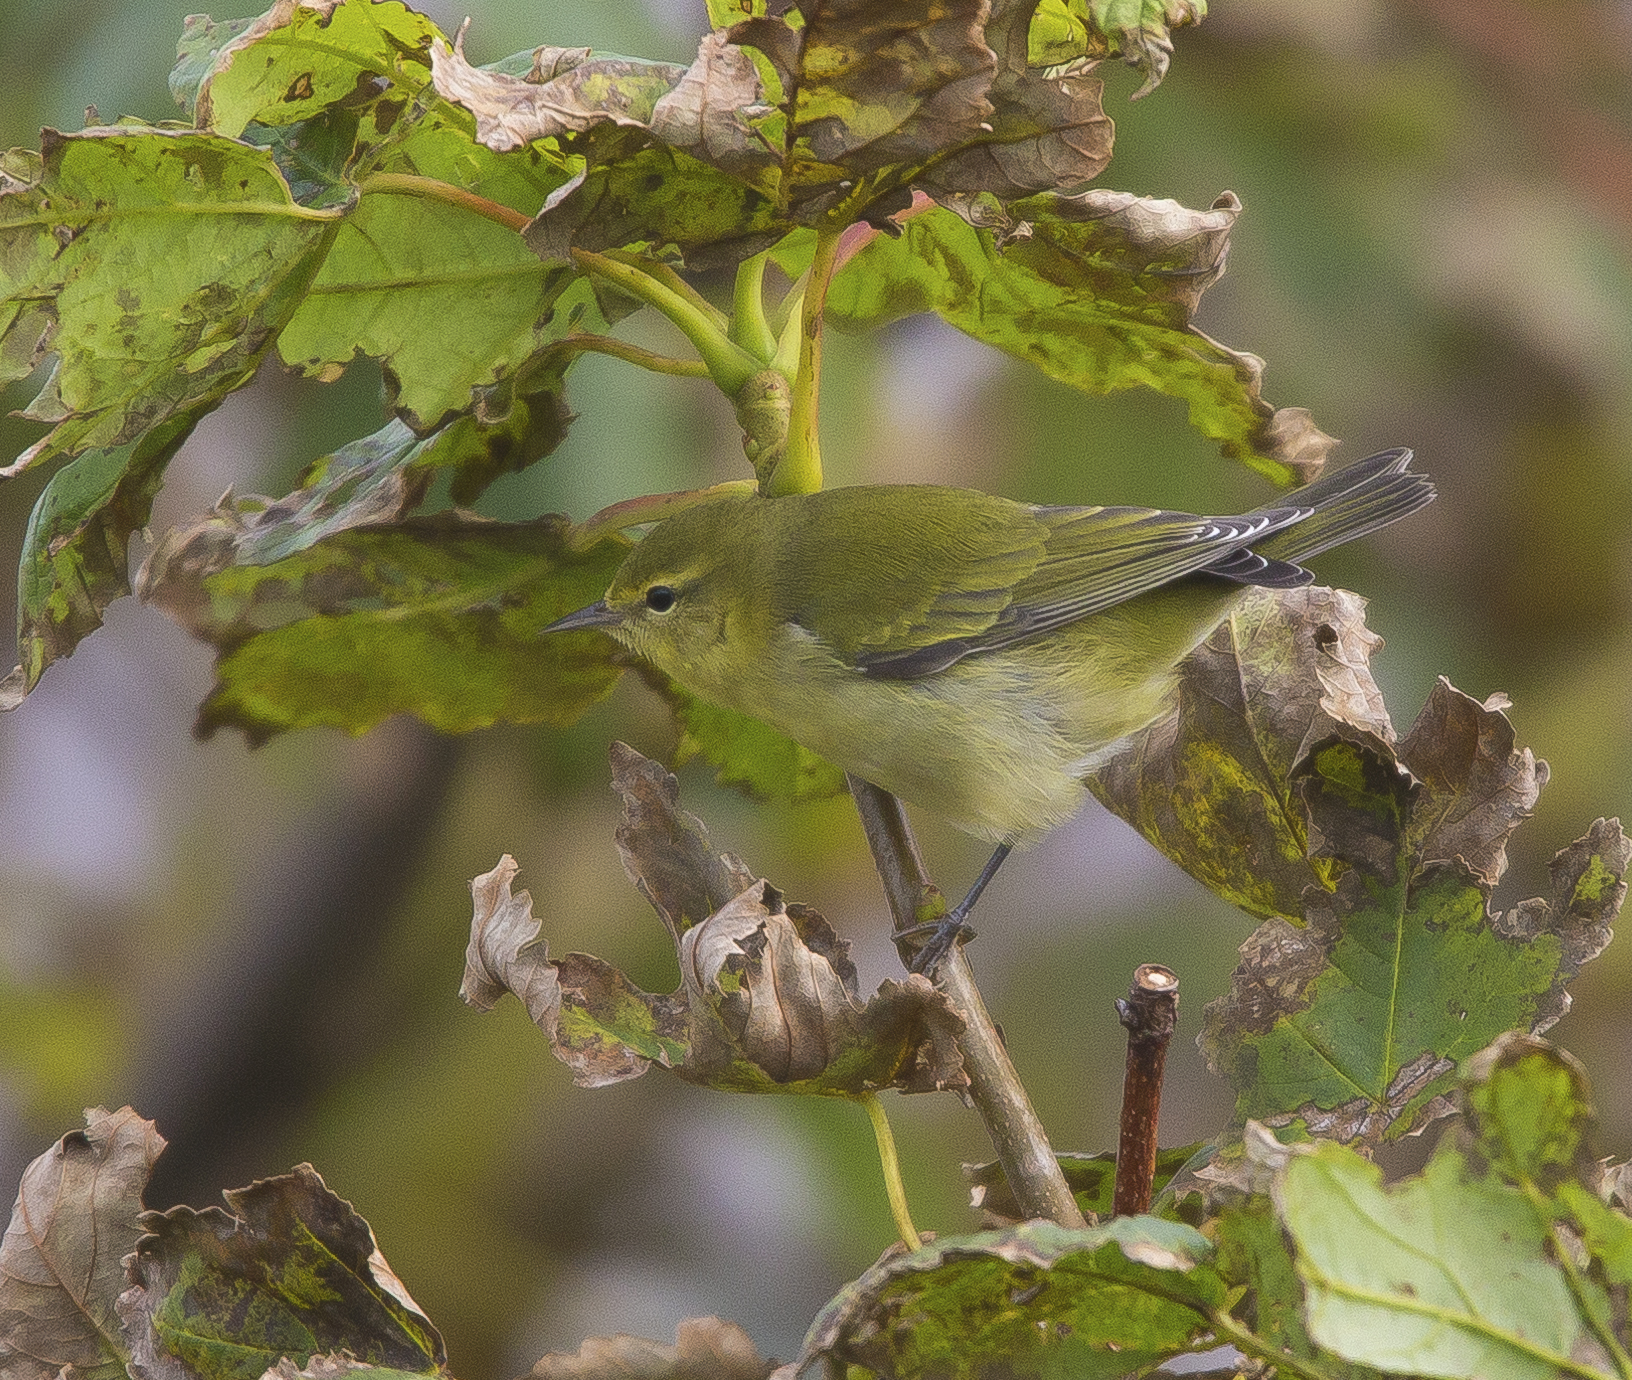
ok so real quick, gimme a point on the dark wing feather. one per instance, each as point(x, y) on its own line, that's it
point(954, 572)
point(1094, 559)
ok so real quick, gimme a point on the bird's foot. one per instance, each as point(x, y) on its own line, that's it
point(944, 934)
point(952, 929)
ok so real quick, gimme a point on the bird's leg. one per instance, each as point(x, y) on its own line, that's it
point(951, 928)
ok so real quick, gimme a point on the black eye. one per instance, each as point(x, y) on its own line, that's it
point(660, 598)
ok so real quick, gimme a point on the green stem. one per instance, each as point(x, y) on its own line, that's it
point(665, 275)
point(749, 328)
point(730, 366)
point(801, 469)
point(1243, 1339)
point(408, 184)
point(892, 1170)
point(632, 354)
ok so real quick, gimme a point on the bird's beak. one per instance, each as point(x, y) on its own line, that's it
point(595, 615)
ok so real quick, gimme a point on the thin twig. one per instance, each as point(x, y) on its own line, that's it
point(994, 1086)
point(1150, 1012)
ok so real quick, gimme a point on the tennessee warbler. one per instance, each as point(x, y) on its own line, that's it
point(971, 655)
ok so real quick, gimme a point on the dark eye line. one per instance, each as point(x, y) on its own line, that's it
point(661, 598)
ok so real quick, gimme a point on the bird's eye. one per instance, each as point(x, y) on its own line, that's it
point(660, 598)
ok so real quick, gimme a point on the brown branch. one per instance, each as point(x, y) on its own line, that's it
point(994, 1086)
point(1150, 1012)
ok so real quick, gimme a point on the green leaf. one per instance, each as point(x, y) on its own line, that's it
point(294, 1272)
point(202, 40)
point(724, 13)
point(296, 61)
point(1531, 1122)
point(1137, 30)
point(74, 560)
point(400, 264)
point(749, 754)
point(168, 260)
point(1448, 1273)
point(1100, 297)
point(61, 1274)
point(1352, 1026)
point(1254, 1251)
point(653, 198)
point(1140, 30)
point(1058, 33)
point(435, 616)
point(1033, 1300)
point(340, 96)
point(1210, 783)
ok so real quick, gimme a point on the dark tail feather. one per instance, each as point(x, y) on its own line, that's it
point(1354, 501)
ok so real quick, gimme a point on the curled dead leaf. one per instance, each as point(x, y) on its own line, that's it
point(767, 1001)
point(75, 1217)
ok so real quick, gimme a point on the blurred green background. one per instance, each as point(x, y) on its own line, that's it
point(262, 949)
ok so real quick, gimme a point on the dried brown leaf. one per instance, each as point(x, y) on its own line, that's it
point(616, 1032)
point(704, 1349)
point(1589, 885)
point(706, 112)
point(74, 1220)
point(568, 93)
point(665, 850)
point(500, 957)
point(1044, 131)
point(916, 75)
point(782, 990)
point(767, 1001)
point(1476, 786)
point(1209, 784)
point(291, 1260)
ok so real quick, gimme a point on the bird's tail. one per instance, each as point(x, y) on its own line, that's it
point(1339, 507)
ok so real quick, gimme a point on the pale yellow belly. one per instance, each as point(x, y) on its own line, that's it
point(997, 744)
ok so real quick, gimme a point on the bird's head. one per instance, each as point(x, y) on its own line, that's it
point(685, 599)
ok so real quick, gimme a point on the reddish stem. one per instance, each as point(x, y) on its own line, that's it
point(1150, 1013)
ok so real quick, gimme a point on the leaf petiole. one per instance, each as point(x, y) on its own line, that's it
point(632, 512)
point(729, 365)
point(801, 469)
point(891, 1166)
point(632, 354)
point(749, 328)
point(410, 184)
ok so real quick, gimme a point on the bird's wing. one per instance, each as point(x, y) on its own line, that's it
point(941, 565)
point(1092, 559)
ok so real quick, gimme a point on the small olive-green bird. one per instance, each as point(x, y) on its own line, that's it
point(974, 656)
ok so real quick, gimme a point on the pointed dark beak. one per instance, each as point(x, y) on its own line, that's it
point(595, 615)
